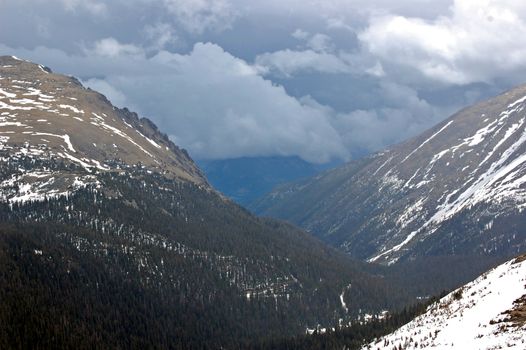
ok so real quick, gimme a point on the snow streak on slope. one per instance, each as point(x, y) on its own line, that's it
point(426, 141)
point(342, 298)
point(479, 315)
point(394, 249)
point(482, 189)
point(501, 180)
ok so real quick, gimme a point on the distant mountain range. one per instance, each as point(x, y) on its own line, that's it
point(457, 189)
point(248, 178)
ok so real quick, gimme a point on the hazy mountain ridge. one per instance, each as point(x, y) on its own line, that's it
point(442, 193)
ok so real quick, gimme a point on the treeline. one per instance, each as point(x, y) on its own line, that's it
point(351, 337)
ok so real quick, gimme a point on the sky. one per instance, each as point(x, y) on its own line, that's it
point(324, 80)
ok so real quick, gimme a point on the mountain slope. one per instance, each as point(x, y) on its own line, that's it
point(53, 116)
point(488, 313)
point(457, 189)
point(102, 216)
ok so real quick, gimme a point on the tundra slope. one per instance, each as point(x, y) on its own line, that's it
point(488, 313)
point(457, 189)
point(52, 116)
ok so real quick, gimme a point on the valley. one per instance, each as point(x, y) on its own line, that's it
point(127, 225)
point(111, 236)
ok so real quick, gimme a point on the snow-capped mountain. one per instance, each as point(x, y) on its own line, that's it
point(458, 188)
point(488, 313)
point(51, 116)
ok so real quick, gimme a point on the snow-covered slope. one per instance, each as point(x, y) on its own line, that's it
point(488, 313)
point(48, 117)
point(458, 188)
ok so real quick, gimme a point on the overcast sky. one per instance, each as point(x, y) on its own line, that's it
point(320, 79)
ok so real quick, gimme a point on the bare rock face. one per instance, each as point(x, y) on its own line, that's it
point(458, 188)
point(50, 116)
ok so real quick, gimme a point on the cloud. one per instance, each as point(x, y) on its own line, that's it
point(345, 13)
point(478, 42)
point(92, 6)
point(338, 23)
point(198, 16)
point(228, 110)
point(320, 43)
point(300, 34)
point(110, 47)
point(316, 56)
point(318, 79)
point(402, 114)
point(320, 57)
point(289, 62)
point(161, 35)
point(208, 101)
point(116, 97)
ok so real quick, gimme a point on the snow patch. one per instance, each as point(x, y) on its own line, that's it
point(472, 317)
point(342, 300)
point(426, 141)
point(72, 108)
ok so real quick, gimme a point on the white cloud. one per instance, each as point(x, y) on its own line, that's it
point(370, 130)
point(344, 13)
point(110, 47)
point(479, 41)
point(377, 70)
point(320, 43)
point(402, 115)
point(116, 97)
point(289, 62)
point(338, 23)
point(300, 34)
point(228, 110)
point(161, 35)
point(315, 55)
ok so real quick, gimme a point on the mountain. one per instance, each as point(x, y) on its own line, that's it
point(43, 113)
point(111, 237)
point(488, 313)
point(458, 189)
point(248, 178)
